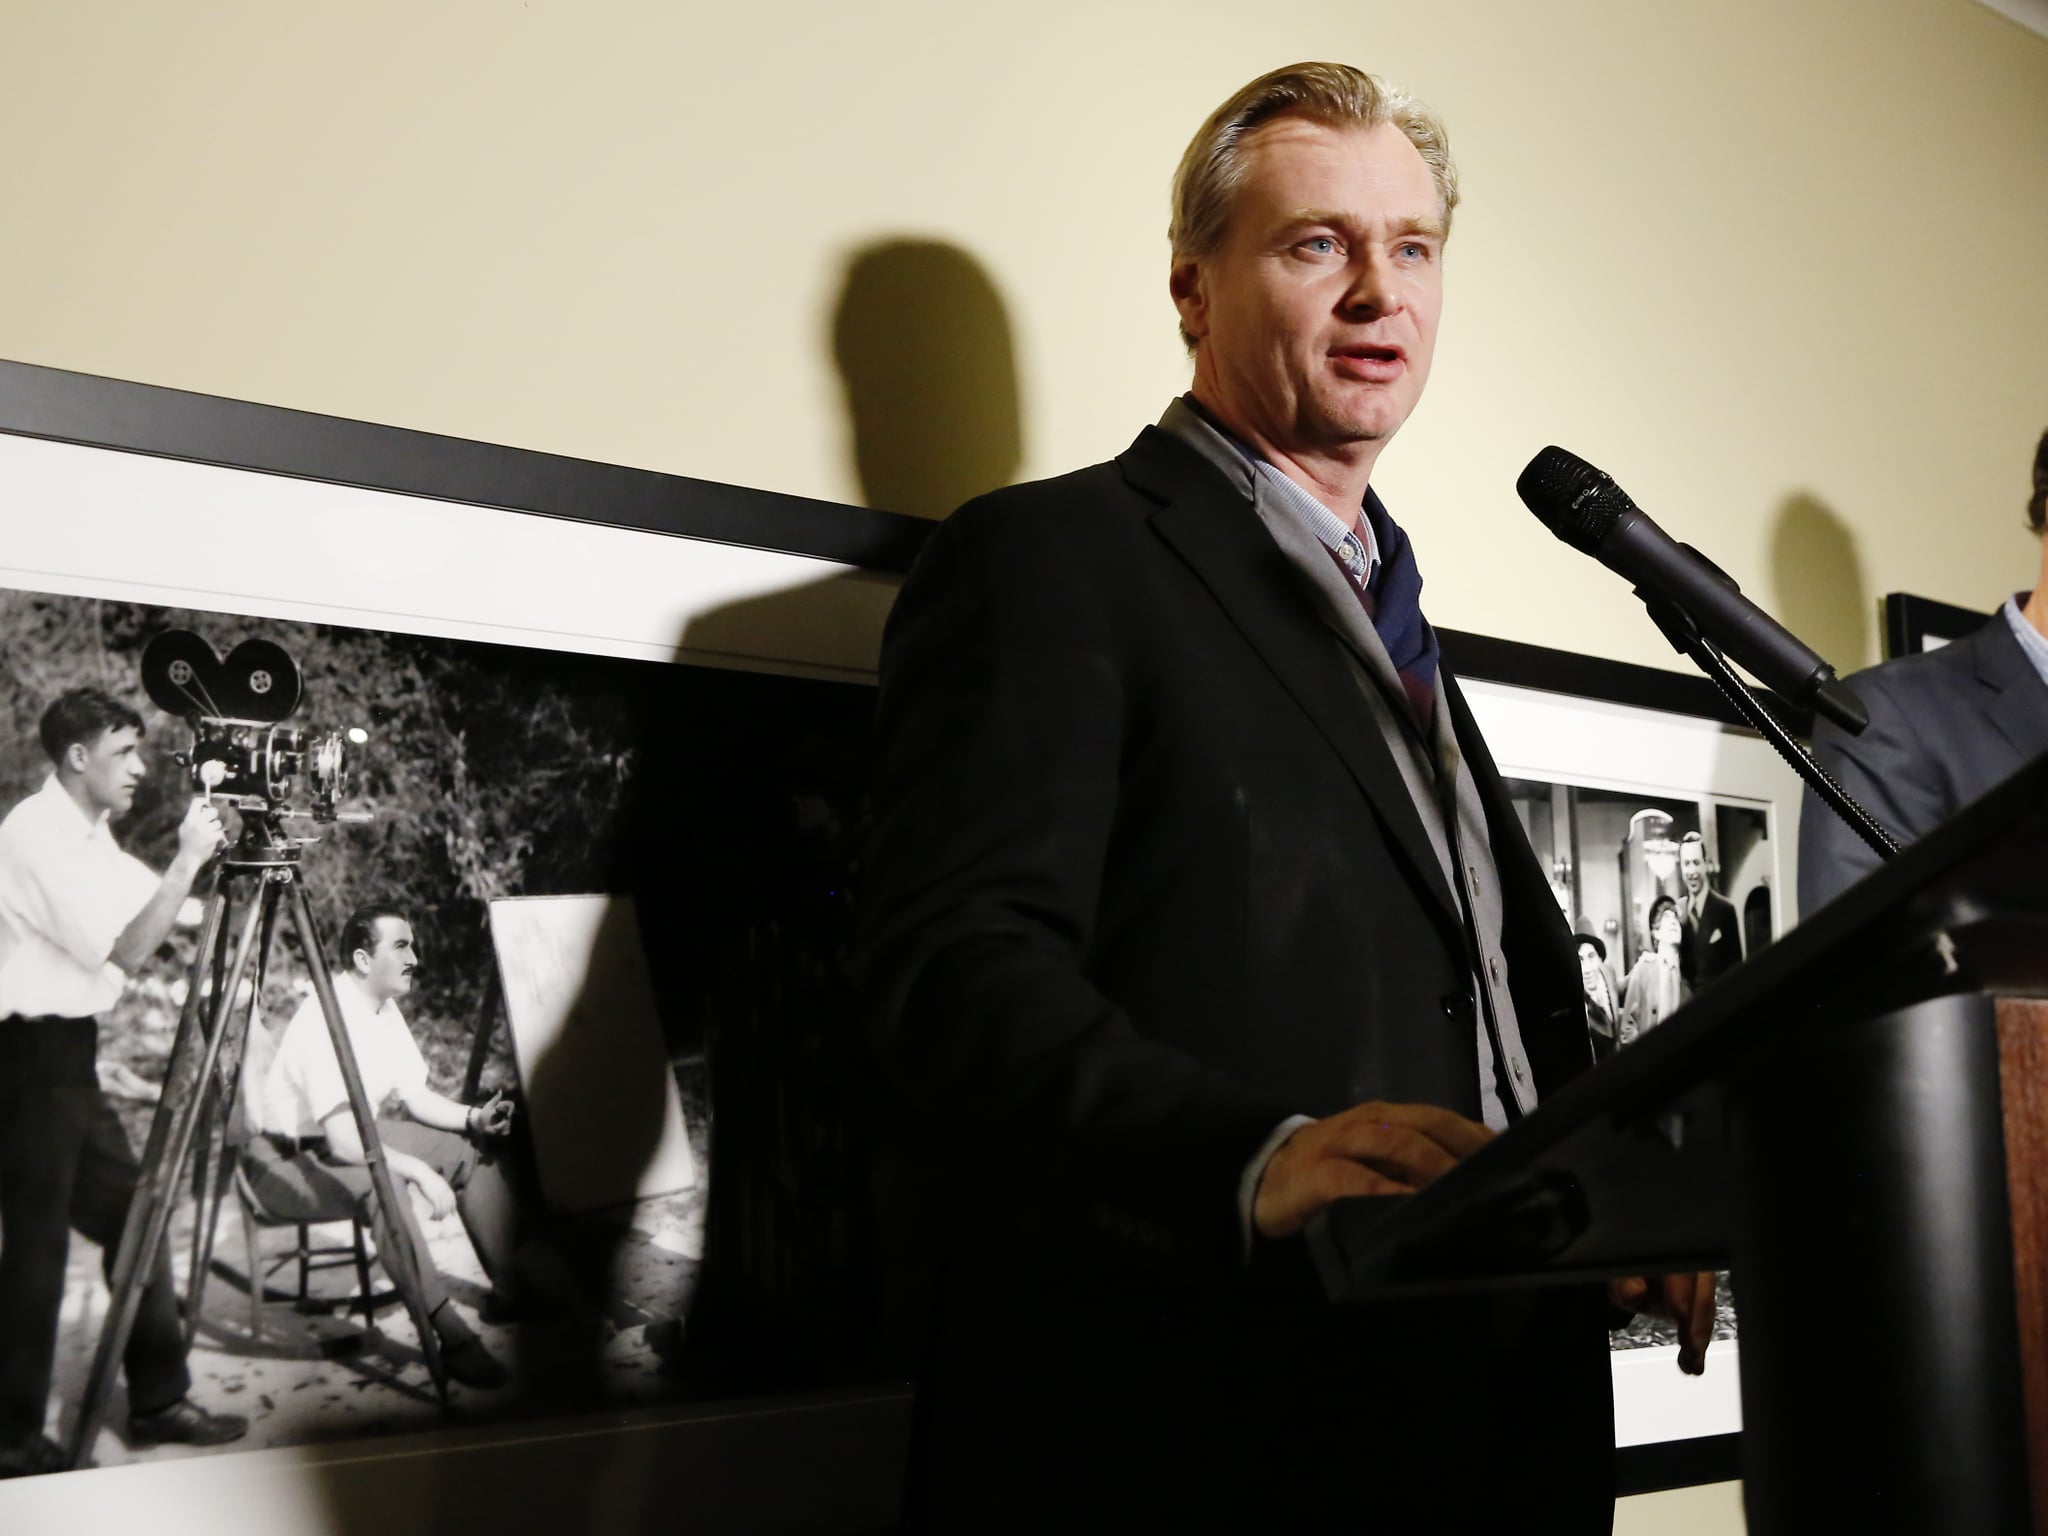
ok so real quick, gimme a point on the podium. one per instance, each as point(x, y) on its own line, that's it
point(1855, 1124)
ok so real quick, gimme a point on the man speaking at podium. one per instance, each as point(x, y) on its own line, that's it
point(1195, 902)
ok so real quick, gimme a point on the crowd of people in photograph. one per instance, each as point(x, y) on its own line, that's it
point(1691, 938)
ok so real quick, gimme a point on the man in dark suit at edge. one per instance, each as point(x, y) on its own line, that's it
point(1713, 933)
point(1195, 902)
point(1945, 726)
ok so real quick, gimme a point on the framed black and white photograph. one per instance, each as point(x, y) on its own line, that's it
point(1654, 809)
point(594, 752)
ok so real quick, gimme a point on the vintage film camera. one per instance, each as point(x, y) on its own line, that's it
point(242, 752)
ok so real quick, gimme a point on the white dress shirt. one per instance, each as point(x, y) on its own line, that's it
point(304, 1084)
point(67, 890)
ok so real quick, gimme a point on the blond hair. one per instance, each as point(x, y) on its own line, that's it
point(1213, 166)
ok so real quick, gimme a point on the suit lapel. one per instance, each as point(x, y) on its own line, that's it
point(2014, 698)
point(1524, 885)
point(1204, 520)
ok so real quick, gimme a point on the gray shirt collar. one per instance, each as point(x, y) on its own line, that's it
point(1356, 550)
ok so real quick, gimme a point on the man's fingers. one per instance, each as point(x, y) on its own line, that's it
point(1414, 1142)
point(1294, 1189)
point(1369, 1149)
point(1340, 1180)
point(1679, 1291)
point(1446, 1127)
point(1702, 1316)
point(1396, 1150)
point(1689, 1302)
point(1628, 1291)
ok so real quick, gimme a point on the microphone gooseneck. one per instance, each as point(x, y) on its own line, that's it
point(1702, 612)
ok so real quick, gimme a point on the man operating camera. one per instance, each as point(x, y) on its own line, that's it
point(78, 917)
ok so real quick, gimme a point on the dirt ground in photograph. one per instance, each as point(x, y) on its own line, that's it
point(319, 1374)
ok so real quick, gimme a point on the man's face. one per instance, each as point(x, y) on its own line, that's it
point(109, 768)
point(1589, 968)
point(1692, 866)
point(1669, 932)
point(1317, 318)
point(386, 970)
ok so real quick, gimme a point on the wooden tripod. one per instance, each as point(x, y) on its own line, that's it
point(260, 875)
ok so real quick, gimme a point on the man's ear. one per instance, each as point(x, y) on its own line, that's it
point(1184, 282)
point(76, 757)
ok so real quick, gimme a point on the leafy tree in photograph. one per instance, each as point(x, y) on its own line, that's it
point(480, 785)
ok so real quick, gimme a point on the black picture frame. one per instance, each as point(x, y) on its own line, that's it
point(89, 411)
point(1915, 624)
point(84, 409)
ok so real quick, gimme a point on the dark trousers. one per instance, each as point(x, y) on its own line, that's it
point(304, 1183)
point(65, 1162)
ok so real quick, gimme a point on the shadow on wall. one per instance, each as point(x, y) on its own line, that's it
point(738, 846)
point(922, 343)
point(1822, 595)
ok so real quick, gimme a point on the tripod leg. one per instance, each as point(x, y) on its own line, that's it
point(163, 1162)
point(214, 1167)
point(206, 963)
point(391, 1244)
point(211, 1195)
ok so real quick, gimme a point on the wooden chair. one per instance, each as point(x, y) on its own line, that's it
point(310, 1256)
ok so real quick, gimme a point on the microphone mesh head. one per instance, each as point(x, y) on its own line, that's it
point(1572, 499)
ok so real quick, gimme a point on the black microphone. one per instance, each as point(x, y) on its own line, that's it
point(1585, 508)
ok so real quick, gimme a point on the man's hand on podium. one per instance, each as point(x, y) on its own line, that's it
point(1687, 1300)
point(1369, 1149)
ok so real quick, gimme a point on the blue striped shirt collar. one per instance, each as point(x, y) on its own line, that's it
point(2032, 641)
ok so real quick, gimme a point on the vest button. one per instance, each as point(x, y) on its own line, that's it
point(1460, 1007)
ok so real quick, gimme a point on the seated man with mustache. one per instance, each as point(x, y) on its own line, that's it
point(308, 1147)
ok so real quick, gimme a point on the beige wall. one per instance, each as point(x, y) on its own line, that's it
point(1781, 267)
point(1715, 1510)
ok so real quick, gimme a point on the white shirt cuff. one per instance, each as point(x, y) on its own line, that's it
point(1248, 1182)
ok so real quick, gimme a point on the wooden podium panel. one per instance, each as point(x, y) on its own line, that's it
point(2023, 1092)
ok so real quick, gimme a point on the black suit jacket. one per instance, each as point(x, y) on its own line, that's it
point(1945, 726)
point(1713, 948)
point(1145, 881)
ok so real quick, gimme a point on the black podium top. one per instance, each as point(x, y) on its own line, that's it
point(1624, 1171)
